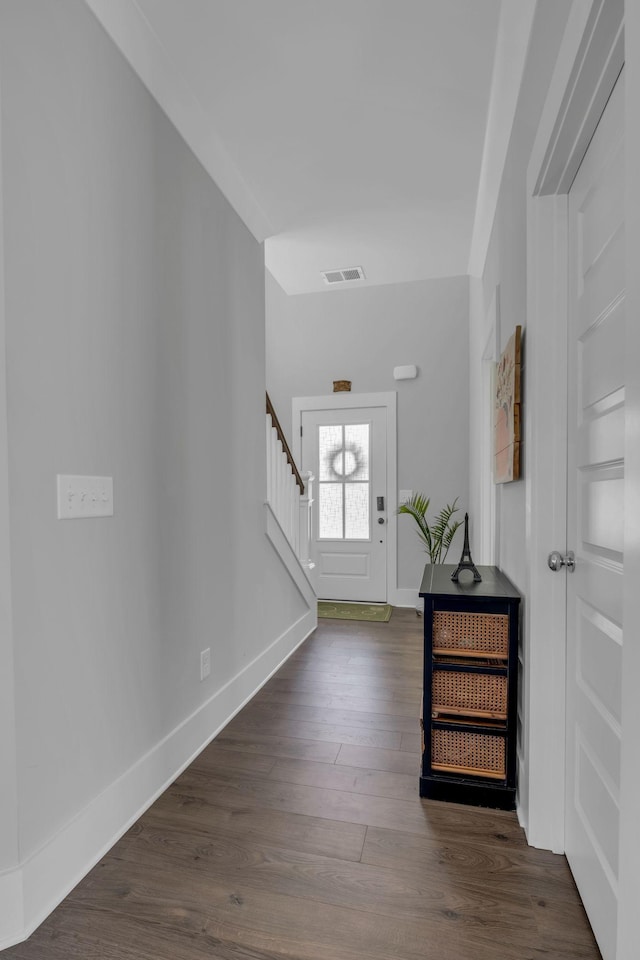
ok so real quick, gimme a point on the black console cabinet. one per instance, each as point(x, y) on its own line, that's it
point(469, 710)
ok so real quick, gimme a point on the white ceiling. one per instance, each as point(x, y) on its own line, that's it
point(344, 132)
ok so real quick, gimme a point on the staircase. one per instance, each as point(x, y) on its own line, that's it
point(289, 496)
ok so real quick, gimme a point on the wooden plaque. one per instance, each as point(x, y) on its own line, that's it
point(506, 412)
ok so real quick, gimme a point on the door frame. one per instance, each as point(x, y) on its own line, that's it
point(12, 885)
point(590, 59)
point(350, 401)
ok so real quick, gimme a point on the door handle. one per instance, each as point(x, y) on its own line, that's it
point(380, 519)
point(556, 561)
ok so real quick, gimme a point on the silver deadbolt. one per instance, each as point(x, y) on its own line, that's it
point(556, 561)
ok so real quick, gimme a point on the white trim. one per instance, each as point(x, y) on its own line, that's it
point(286, 553)
point(489, 515)
point(405, 597)
point(581, 77)
point(629, 869)
point(512, 44)
point(541, 795)
point(590, 59)
point(29, 893)
point(11, 908)
point(8, 765)
point(345, 401)
point(126, 24)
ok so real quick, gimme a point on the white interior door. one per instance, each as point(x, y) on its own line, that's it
point(595, 521)
point(346, 452)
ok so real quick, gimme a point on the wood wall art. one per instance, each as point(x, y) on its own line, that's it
point(506, 414)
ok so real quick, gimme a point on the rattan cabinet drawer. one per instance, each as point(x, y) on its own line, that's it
point(469, 717)
point(468, 752)
point(470, 634)
point(463, 693)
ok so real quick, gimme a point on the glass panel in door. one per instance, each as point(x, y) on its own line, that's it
point(344, 494)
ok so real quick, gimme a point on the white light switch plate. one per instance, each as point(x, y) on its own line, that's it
point(404, 495)
point(205, 663)
point(82, 497)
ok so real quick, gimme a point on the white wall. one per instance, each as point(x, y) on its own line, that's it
point(361, 335)
point(134, 348)
point(505, 271)
point(505, 268)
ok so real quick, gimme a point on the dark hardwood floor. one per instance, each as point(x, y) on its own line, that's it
point(298, 833)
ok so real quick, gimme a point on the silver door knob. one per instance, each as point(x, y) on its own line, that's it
point(380, 519)
point(556, 561)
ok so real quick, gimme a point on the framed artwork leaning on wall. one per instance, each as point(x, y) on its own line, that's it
point(506, 413)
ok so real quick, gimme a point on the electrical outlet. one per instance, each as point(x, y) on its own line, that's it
point(205, 663)
point(83, 497)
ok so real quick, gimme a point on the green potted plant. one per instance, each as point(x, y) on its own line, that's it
point(438, 535)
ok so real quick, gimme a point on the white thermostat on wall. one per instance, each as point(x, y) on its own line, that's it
point(408, 372)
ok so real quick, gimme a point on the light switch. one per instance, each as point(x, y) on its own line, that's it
point(205, 663)
point(404, 496)
point(82, 497)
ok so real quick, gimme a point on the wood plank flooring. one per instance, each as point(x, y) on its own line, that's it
point(298, 833)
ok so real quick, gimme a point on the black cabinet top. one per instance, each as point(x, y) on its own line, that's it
point(494, 585)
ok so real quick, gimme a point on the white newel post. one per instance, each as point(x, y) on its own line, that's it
point(306, 502)
point(294, 513)
point(269, 459)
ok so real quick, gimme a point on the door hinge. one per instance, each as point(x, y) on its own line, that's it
point(300, 429)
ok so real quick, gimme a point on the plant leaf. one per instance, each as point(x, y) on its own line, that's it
point(436, 537)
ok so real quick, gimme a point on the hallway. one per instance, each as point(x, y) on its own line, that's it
point(299, 833)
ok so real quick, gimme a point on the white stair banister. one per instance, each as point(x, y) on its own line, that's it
point(288, 495)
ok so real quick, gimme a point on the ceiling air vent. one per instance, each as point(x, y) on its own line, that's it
point(340, 276)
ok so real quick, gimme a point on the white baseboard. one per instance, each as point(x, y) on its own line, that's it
point(11, 915)
point(33, 889)
point(404, 597)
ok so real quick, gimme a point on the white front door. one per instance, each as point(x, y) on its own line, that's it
point(346, 450)
point(595, 521)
